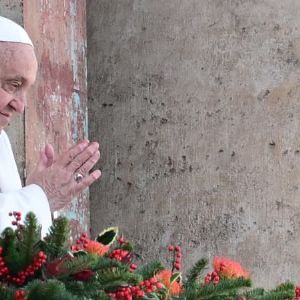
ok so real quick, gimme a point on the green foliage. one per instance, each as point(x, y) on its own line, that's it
point(29, 236)
point(283, 292)
point(108, 236)
point(50, 290)
point(57, 241)
point(150, 270)
point(225, 289)
point(72, 265)
point(110, 280)
point(87, 289)
point(196, 271)
point(10, 250)
point(6, 294)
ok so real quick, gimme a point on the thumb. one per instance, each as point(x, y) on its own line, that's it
point(49, 153)
point(46, 158)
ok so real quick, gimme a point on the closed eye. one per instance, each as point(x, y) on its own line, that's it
point(12, 86)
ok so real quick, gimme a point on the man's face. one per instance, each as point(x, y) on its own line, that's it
point(18, 68)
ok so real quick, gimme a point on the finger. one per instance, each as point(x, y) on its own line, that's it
point(83, 157)
point(71, 153)
point(89, 164)
point(49, 152)
point(86, 182)
point(42, 163)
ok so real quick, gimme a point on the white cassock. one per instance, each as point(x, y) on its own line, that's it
point(14, 197)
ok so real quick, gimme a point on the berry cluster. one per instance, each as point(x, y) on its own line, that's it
point(123, 256)
point(177, 256)
point(80, 243)
point(37, 263)
point(145, 287)
point(3, 268)
point(297, 291)
point(212, 277)
point(20, 295)
point(120, 255)
point(20, 279)
point(18, 216)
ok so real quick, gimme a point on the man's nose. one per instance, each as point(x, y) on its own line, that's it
point(18, 104)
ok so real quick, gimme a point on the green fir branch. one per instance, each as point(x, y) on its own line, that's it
point(50, 290)
point(73, 265)
point(112, 279)
point(10, 251)
point(30, 235)
point(57, 241)
point(6, 294)
point(87, 289)
point(225, 289)
point(150, 269)
point(196, 271)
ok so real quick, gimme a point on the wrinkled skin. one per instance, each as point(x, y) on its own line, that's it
point(55, 175)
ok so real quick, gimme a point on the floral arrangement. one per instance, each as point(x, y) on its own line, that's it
point(57, 269)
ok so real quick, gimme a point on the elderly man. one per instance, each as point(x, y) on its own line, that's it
point(55, 180)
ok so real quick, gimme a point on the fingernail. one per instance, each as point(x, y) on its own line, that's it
point(97, 174)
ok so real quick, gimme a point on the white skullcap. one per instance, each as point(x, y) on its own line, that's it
point(12, 32)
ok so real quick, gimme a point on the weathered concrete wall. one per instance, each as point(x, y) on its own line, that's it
point(196, 106)
point(13, 9)
point(57, 106)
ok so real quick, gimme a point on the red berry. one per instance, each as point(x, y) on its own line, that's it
point(147, 283)
point(171, 248)
point(153, 280)
point(177, 249)
point(159, 285)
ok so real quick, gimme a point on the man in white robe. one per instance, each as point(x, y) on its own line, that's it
point(55, 180)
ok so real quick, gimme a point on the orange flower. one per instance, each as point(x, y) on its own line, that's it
point(228, 268)
point(95, 247)
point(164, 277)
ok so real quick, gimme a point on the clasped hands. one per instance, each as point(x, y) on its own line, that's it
point(56, 176)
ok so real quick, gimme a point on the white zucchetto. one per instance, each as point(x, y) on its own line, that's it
point(12, 32)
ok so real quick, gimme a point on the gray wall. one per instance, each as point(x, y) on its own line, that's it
point(196, 107)
point(13, 9)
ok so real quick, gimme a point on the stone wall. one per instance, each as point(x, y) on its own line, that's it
point(196, 107)
point(13, 9)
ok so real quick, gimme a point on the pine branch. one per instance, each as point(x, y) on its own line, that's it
point(50, 290)
point(112, 279)
point(73, 265)
point(196, 271)
point(226, 289)
point(105, 263)
point(150, 269)
point(56, 242)
point(10, 252)
point(87, 290)
point(6, 294)
point(282, 292)
point(29, 237)
point(276, 296)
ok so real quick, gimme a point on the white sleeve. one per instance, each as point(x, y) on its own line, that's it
point(15, 198)
point(30, 198)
